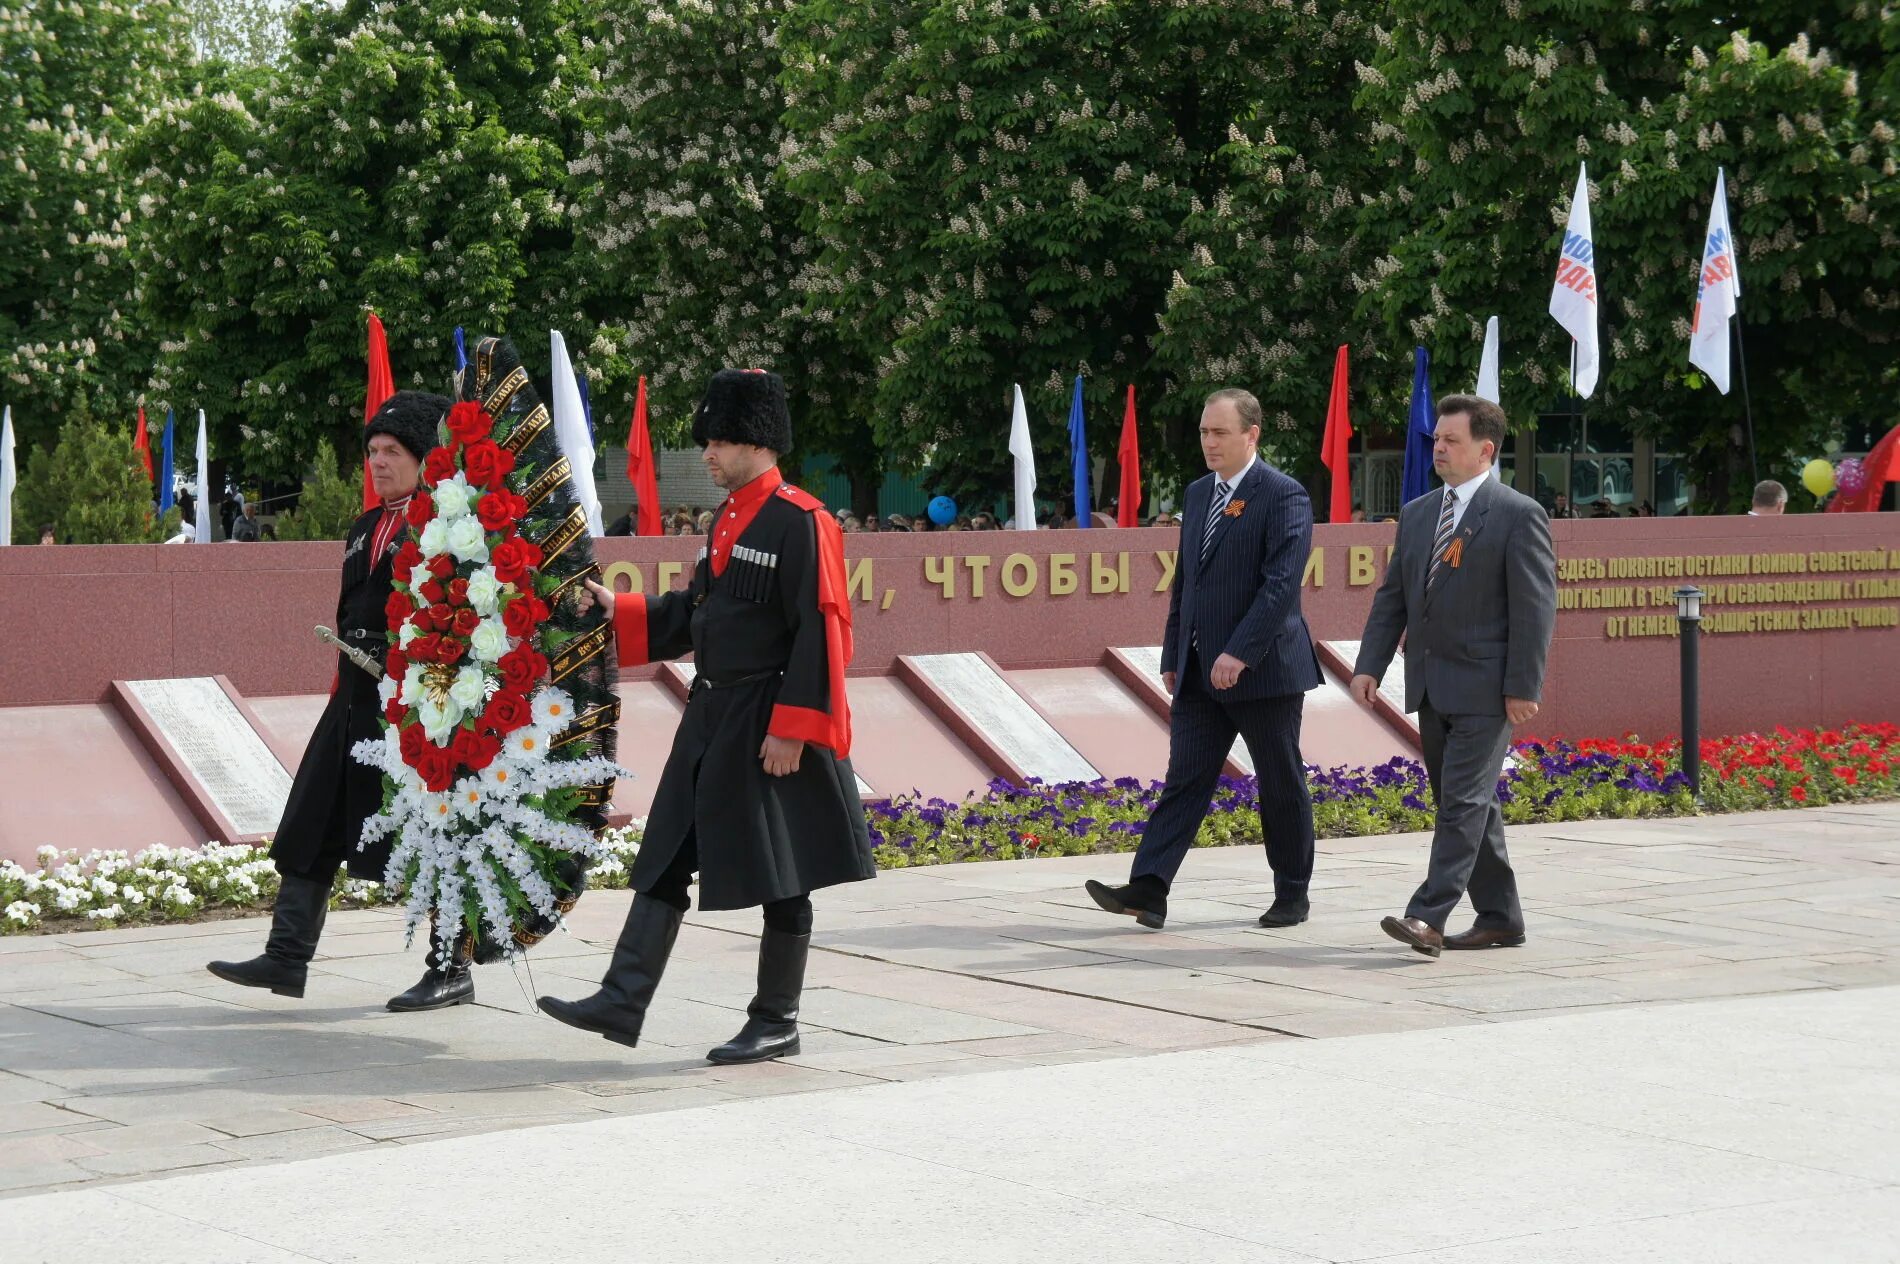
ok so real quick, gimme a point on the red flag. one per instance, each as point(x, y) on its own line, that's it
point(1128, 500)
point(640, 471)
point(1336, 448)
point(381, 386)
point(142, 444)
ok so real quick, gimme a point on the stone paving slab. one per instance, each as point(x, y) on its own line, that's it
point(933, 973)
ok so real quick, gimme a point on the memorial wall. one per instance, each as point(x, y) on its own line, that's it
point(1801, 611)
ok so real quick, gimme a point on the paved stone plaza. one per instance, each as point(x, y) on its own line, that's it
point(1199, 1117)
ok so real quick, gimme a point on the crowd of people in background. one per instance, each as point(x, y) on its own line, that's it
point(693, 520)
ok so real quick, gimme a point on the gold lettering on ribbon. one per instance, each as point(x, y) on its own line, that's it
point(589, 724)
point(528, 429)
point(572, 584)
point(496, 402)
point(556, 542)
point(543, 487)
point(568, 659)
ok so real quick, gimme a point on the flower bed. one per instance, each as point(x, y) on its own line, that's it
point(1550, 781)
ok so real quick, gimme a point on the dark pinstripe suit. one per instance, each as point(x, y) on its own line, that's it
point(1245, 601)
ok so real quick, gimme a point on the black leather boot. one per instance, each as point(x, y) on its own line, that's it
point(619, 1008)
point(771, 1025)
point(442, 984)
point(296, 923)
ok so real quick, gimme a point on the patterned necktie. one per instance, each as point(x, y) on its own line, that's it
point(1221, 492)
point(1442, 540)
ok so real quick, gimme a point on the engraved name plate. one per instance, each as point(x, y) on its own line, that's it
point(217, 744)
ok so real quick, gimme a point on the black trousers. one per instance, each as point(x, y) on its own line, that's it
point(791, 916)
point(1464, 754)
point(1201, 730)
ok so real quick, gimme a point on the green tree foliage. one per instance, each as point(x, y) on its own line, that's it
point(91, 485)
point(332, 499)
point(242, 32)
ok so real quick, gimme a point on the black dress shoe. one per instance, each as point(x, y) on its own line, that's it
point(1136, 900)
point(1286, 912)
point(599, 1015)
point(437, 989)
point(282, 977)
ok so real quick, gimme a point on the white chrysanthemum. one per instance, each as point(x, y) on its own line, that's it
point(489, 640)
point(484, 591)
point(452, 499)
point(437, 808)
point(553, 710)
point(467, 540)
point(435, 537)
point(469, 795)
point(467, 691)
point(501, 779)
point(526, 746)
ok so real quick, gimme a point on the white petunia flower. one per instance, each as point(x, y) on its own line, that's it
point(467, 540)
point(484, 591)
point(489, 640)
point(467, 691)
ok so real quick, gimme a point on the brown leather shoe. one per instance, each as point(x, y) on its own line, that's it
point(1409, 930)
point(1486, 937)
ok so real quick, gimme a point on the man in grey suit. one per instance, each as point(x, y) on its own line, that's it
point(1238, 659)
point(1472, 585)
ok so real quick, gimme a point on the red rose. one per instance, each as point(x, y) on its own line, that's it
point(393, 710)
point(436, 767)
point(487, 746)
point(451, 652)
point(458, 591)
point(512, 558)
point(442, 617)
point(487, 464)
point(541, 611)
point(413, 740)
point(440, 467)
point(442, 566)
point(465, 745)
point(464, 621)
point(421, 509)
point(507, 711)
point(467, 422)
point(521, 667)
point(398, 608)
point(426, 649)
point(431, 592)
point(518, 616)
point(396, 663)
point(407, 558)
point(493, 510)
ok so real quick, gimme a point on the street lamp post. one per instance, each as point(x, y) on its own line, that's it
point(1689, 617)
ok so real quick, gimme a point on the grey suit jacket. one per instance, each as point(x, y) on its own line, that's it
point(1484, 632)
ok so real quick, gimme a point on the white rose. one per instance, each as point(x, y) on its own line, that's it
point(387, 688)
point(467, 689)
point(435, 537)
point(412, 684)
point(409, 633)
point(467, 540)
point(489, 640)
point(451, 499)
point(484, 591)
point(439, 718)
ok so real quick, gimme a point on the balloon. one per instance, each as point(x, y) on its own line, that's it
point(1818, 477)
point(942, 510)
point(1851, 477)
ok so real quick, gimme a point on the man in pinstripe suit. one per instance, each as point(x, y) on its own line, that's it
point(1238, 659)
point(1472, 586)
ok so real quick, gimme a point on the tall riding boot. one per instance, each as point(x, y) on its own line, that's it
point(296, 922)
point(620, 1007)
point(447, 980)
point(771, 1025)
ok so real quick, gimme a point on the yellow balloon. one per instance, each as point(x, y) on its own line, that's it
point(1818, 477)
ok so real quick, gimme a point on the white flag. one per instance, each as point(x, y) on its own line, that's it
point(570, 432)
point(9, 478)
point(1488, 365)
point(1025, 459)
point(1573, 298)
point(204, 508)
point(1718, 287)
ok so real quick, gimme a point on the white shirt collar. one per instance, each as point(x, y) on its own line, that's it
point(1239, 478)
point(1466, 490)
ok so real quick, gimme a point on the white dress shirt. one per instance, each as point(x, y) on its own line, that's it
point(1461, 497)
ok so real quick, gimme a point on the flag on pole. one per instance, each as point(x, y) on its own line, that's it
point(1718, 292)
point(640, 470)
point(461, 358)
point(1079, 455)
point(1488, 365)
point(1573, 296)
point(142, 444)
point(570, 432)
point(204, 509)
point(1128, 497)
point(167, 478)
point(1023, 454)
point(9, 476)
point(381, 386)
point(1335, 448)
point(1423, 420)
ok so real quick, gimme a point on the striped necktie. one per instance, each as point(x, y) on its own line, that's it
point(1221, 492)
point(1442, 540)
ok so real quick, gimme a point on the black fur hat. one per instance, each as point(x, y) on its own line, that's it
point(410, 418)
point(745, 406)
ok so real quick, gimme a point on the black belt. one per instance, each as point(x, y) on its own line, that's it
point(363, 634)
point(700, 682)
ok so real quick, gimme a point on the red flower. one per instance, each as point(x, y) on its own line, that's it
point(468, 423)
point(1849, 775)
point(487, 464)
point(518, 616)
point(520, 667)
point(451, 652)
point(427, 648)
point(436, 767)
point(507, 711)
point(499, 508)
point(431, 592)
point(464, 746)
point(512, 558)
point(458, 591)
point(398, 608)
point(441, 617)
point(1799, 794)
point(393, 710)
point(396, 663)
point(442, 566)
point(421, 509)
point(413, 740)
point(407, 558)
point(439, 468)
point(464, 621)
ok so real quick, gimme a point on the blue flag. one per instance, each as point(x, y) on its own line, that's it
point(1079, 456)
point(165, 476)
point(587, 408)
point(461, 351)
point(1418, 431)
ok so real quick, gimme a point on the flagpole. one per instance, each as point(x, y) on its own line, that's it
point(1748, 409)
